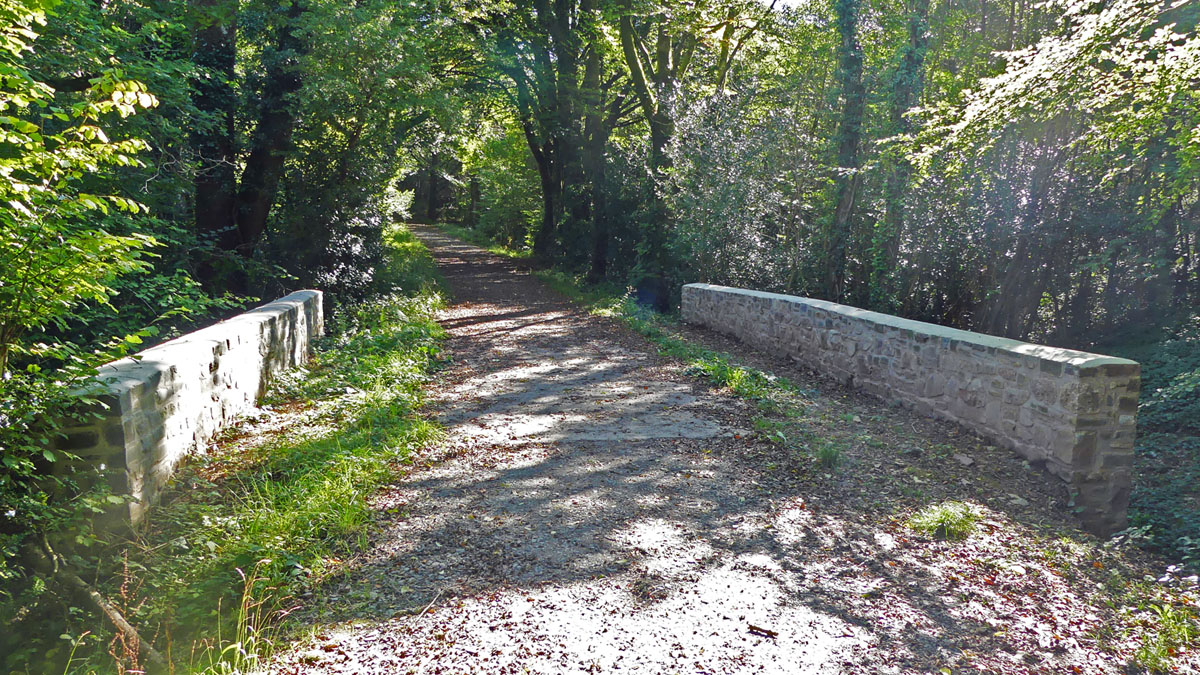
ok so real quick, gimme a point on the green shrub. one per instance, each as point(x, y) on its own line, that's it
point(508, 208)
point(829, 456)
point(946, 520)
point(1170, 397)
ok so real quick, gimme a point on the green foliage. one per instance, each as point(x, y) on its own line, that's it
point(726, 186)
point(368, 105)
point(772, 431)
point(1172, 629)
point(945, 520)
point(58, 250)
point(54, 250)
point(1068, 174)
point(32, 406)
point(75, 251)
point(1130, 67)
point(1163, 510)
point(48, 496)
point(1170, 398)
point(507, 208)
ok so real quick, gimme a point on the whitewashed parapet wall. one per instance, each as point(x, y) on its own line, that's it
point(1073, 410)
point(167, 401)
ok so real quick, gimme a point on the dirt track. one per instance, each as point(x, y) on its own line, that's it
point(596, 509)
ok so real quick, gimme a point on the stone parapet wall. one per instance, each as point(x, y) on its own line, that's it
point(167, 401)
point(1072, 410)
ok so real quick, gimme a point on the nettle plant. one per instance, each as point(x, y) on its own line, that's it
point(64, 240)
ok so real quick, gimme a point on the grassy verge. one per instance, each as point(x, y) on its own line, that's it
point(769, 391)
point(274, 511)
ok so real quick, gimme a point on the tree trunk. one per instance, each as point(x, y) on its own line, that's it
point(215, 183)
point(907, 86)
point(551, 179)
point(273, 135)
point(849, 138)
point(597, 128)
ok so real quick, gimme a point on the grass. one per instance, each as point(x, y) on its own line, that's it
point(253, 634)
point(1161, 620)
point(946, 520)
point(1173, 629)
point(714, 366)
point(829, 455)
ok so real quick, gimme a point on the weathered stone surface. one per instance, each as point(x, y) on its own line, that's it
point(1073, 410)
point(171, 399)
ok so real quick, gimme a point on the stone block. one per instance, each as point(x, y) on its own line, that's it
point(1083, 454)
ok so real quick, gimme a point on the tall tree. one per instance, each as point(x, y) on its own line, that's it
point(540, 52)
point(273, 133)
point(656, 75)
point(908, 81)
point(605, 107)
point(848, 178)
point(214, 53)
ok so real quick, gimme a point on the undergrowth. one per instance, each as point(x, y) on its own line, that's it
point(1164, 508)
point(1171, 630)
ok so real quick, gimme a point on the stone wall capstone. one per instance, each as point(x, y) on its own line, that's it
point(167, 401)
point(1072, 410)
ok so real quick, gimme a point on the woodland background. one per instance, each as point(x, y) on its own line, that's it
point(1019, 168)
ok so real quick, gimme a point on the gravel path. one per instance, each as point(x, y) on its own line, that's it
point(594, 509)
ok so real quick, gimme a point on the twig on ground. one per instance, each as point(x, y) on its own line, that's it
point(435, 599)
point(765, 632)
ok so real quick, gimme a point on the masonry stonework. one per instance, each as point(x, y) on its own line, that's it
point(168, 401)
point(1072, 410)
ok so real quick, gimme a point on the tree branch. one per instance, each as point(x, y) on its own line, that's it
point(629, 45)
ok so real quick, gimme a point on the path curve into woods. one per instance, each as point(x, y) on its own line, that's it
point(596, 509)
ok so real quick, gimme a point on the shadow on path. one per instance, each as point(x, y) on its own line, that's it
point(593, 509)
